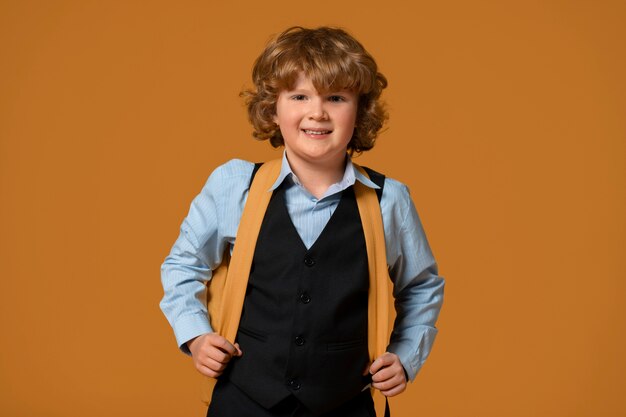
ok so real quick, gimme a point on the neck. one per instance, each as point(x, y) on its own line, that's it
point(315, 177)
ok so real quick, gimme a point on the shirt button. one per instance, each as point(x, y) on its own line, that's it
point(293, 384)
point(308, 261)
point(299, 340)
point(305, 298)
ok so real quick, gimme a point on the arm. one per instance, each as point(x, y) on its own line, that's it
point(418, 292)
point(206, 232)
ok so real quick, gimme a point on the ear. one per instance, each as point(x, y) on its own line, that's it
point(275, 119)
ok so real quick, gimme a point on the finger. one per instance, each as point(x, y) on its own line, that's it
point(394, 391)
point(388, 384)
point(384, 374)
point(217, 355)
point(395, 369)
point(239, 352)
point(208, 372)
point(223, 344)
point(385, 359)
point(213, 365)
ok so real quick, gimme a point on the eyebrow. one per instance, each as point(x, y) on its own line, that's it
point(329, 92)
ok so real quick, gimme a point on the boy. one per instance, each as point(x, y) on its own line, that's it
point(301, 346)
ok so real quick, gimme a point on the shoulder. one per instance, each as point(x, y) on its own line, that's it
point(396, 197)
point(395, 201)
point(393, 190)
point(232, 171)
point(219, 205)
point(397, 209)
point(396, 190)
point(227, 185)
point(232, 176)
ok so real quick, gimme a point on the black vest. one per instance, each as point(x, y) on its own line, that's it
point(303, 328)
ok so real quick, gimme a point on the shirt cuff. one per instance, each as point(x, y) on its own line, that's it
point(413, 355)
point(189, 327)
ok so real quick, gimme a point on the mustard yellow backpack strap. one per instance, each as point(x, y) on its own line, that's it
point(379, 297)
point(227, 288)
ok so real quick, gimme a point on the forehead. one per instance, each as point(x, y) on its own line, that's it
point(305, 82)
point(319, 82)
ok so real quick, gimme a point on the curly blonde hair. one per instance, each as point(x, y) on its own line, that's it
point(333, 60)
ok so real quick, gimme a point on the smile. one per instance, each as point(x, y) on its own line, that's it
point(317, 132)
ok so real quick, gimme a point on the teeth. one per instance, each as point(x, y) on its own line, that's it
point(317, 132)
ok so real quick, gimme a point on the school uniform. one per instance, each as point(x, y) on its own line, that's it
point(303, 329)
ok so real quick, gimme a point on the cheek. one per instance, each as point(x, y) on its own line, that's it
point(349, 119)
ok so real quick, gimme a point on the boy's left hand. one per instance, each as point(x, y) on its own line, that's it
point(388, 374)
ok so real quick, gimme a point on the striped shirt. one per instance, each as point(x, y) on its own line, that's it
point(211, 226)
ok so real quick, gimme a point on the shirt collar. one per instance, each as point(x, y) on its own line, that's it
point(350, 175)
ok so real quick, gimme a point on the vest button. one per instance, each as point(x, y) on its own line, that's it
point(305, 298)
point(308, 261)
point(299, 340)
point(293, 384)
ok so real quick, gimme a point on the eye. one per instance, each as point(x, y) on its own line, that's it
point(336, 98)
point(298, 97)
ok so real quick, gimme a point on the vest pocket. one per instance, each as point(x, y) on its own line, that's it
point(253, 334)
point(349, 344)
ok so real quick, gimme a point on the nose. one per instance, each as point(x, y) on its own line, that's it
point(317, 110)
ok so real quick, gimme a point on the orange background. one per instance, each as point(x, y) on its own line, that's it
point(507, 122)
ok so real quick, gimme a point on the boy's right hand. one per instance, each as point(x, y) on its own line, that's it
point(211, 353)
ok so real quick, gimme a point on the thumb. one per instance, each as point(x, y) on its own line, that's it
point(239, 352)
point(380, 362)
point(376, 365)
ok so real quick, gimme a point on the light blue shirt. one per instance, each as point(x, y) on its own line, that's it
point(211, 227)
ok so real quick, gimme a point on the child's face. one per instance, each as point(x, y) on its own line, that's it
point(316, 128)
